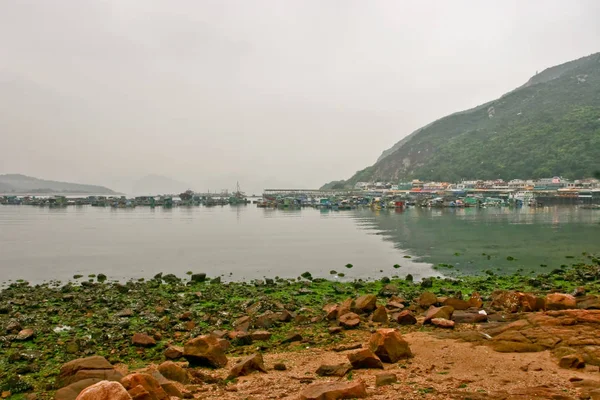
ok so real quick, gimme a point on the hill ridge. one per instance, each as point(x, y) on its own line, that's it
point(555, 115)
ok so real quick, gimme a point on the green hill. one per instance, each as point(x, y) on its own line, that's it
point(21, 184)
point(550, 126)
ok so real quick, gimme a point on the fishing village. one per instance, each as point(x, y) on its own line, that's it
point(375, 195)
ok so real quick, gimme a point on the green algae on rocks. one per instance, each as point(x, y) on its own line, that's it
point(101, 318)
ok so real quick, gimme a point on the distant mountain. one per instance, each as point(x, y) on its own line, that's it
point(157, 184)
point(547, 127)
point(16, 183)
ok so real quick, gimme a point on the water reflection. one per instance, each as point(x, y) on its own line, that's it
point(477, 239)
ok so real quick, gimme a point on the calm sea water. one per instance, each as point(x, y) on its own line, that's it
point(242, 243)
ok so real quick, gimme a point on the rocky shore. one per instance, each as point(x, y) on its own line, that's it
point(485, 336)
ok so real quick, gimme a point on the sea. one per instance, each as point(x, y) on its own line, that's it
point(243, 243)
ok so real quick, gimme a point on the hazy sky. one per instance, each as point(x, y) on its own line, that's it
point(271, 93)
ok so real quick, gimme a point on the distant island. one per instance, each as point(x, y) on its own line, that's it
point(22, 184)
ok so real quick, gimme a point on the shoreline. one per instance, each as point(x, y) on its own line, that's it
point(100, 318)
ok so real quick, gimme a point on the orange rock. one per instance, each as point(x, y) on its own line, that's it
point(104, 390)
point(364, 359)
point(148, 383)
point(68, 370)
point(331, 311)
point(438, 312)
point(334, 370)
point(139, 393)
point(142, 340)
point(389, 345)
point(476, 301)
point(346, 307)
point(427, 299)
point(366, 303)
point(242, 324)
point(174, 372)
point(247, 365)
point(457, 304)
point(380, 315)
point(205, 349)
point(405, 317)
point(443, 323)
point(333, 391)
point(560, 301)
point(350, 320)
point(174, 352)
point(385, 378)
point(572, 361)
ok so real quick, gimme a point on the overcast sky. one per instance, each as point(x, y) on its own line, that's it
point(271, 93)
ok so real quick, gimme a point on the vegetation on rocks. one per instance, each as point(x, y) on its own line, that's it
point(142, 322)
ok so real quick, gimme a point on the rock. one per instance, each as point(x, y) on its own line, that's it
point(590, 302)
point(394, 305)
point(427, 299)
point(142, 340)
point(475, 300)
point(572, 361)
point(333, 391)
point(174, 372)
point(438, 312)
point(385, 378)
point(73, 390)
point(366, 303)
point(242, 338)
point(70, 369)
point(168, 386)
point(247, 365)
point(405, 317)
point(96, 374)
point(126, 313)
point(260, 335)
point(292, 337)
point(218, 334)
point(334, 370)
point(468, 317)
point(389, 345)
point(104, 390)
point(279, 367)
point(505, 300)
point(174, 352)
point(389, 290)
point(331, 311)
point(380, 315)
point(13, 326)
point(457, 304)
point(443, 323)
point(148, 383)
point(186, 316)
point(346, 307)
point(560, 301)
point(25, 334)
point(205, 350)
point(242, 324)
point(139, 393)
point(198, 277)
point(516, 301)
point(266, 320)
point(364, 359)
point(285, 316)
point(350, 320)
